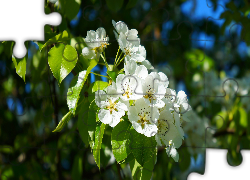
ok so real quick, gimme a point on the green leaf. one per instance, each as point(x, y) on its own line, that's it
point(128, 159)
point(77, 168)
point(135, 168)
point(63, 37)
point(83, 121)
point(20, 65)
point(8, 48)
point(106, 150)
point(91, 94)
point(82, 98)
point(243, 117)
point(114, 5)
point(142, 147)
point(112, 74)
point(143, 172)
point(149, 167)
point(98, 142)
point(96, 131)
point(92, 119)
point(120, 140)
point(131, 4)
point(63, 122)
point(76, 86)
point(78, 43)
point(86, 62)
point(70, 7)
point(48, 35)
point(62, 59)
point(74, 90)
point(99, 85)
point(185, 159)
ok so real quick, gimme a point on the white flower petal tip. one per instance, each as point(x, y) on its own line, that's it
point(171, 151)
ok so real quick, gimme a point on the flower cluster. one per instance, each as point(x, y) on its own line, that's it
point(143, 96)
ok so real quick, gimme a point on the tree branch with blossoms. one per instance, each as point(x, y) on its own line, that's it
point(136, 101)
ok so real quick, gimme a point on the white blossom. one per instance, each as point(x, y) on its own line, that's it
point(154, 89)
point(131, 48)
point(143, 118)
point(112, 109)
point(131, 35)
point(167, 130)
point(96, 41)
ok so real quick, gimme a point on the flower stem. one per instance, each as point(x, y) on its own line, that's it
point(117, 54)
point(99, 75)
point(120, 61)
point(105, 61)
point(102, 63)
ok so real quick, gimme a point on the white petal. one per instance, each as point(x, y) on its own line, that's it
point(104, 116)
point(133, 114)
point(178, 124)
point(100, 96)
point(137, 127)
point(164, 79)
point(130, 67)
point(181, 97)
point(88, 53)
point(150, 130)
point(101, 33)
point(141, 71)
point(147, 64)
point(166, 115)
point(91, 35)
point(120, 27)
point(116, 116)
point(122, 107)
point(174, 154)
point(158, 140)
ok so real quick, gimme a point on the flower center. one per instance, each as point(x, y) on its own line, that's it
point(127, 93)
point(127, 51)
point(150, 95)
point(162, 127)
point(99, 49)
point(143, 121)
point(104, 45)
point(112, 106)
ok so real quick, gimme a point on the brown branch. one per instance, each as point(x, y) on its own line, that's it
point(118, 166)
point(52, 9)
point(56, 112)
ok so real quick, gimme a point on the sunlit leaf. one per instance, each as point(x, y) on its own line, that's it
point(63, 122)
point(76, 87)
point(99, 85)
point(62, 59)
point(142, 147)
point(20, 65)
point(112, 74)
point(120, 140)
point(63, 37)
point(98, 142)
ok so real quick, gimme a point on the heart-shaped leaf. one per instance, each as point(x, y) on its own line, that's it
point(62, 59)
